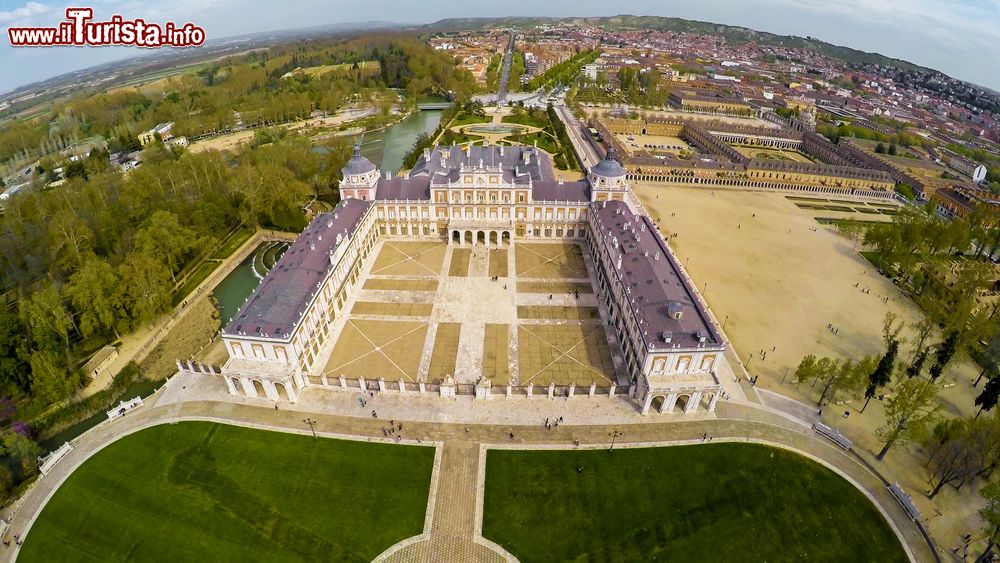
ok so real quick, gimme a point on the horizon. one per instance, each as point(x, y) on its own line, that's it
point(40, 64)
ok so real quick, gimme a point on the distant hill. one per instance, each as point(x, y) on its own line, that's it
point(732, 33)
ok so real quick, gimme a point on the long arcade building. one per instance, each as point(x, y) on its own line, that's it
point(481, 195)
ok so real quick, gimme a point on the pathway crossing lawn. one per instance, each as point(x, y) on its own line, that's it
point(711, 502)
point(198, 491)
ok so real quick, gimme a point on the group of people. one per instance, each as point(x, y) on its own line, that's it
point(393, 429)
point(554, 423)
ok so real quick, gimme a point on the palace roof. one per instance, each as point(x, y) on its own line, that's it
point(278, 303)
point(358, 164)
point(658, 293)
point(400, 188)
point(609, 167)
point(553, 190)
point(516, 163)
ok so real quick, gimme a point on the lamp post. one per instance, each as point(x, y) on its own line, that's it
point(724, 322)
point(312, 425)
point(614, 435)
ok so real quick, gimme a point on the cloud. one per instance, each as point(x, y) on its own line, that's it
point(28, 10)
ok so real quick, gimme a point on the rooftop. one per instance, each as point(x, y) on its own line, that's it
point(660, 297)
point(278, 303)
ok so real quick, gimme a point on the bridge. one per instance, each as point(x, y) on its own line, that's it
point(434, 105)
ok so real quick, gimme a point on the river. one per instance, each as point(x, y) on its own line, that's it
point(387, 148)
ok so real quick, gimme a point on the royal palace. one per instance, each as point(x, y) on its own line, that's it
point(666, 346)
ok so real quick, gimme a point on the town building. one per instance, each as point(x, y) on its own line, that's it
point(490, 195)
point(162, 130)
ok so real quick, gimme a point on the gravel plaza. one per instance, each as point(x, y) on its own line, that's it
point(521, 315)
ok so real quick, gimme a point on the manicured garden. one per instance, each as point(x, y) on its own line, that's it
point(711, 502)
point(199, 491)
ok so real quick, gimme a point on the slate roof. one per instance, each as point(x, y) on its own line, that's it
point(277, 305)
point(652, 280)
point(552, 190)
point(358, 164)
point(400, 188)
point(446, 162)
point(609, 167)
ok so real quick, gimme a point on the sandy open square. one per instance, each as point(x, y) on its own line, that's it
point(776, 278)
point(769, 153)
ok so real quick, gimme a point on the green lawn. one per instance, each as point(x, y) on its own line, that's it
point(204, 270)
point(525, 118)
point(198, 491)
point(233, 242)
point(713, 502)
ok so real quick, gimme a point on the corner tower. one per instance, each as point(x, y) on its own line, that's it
point(607, 179)
point(360, 177)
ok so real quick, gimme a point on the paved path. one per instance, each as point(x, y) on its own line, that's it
point(456, 513)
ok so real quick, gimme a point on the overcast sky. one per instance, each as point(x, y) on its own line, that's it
point(958, 37)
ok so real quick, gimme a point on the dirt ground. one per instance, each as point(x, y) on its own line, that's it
point(777, 280)
point(188, 338)
point(236, 140)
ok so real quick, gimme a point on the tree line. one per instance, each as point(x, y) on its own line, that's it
point(254, 89)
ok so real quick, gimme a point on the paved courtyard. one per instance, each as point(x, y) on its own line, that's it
point(427, 310)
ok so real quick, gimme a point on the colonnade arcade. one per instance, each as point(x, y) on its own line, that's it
point(262, 388)
point(476, 237)
point(681, 401)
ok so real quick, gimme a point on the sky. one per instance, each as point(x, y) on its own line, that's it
point(958, 37)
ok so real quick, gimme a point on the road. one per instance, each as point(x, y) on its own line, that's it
point(578, 136)
point(508, 58)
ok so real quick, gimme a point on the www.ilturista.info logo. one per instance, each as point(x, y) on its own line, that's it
point(78, 29)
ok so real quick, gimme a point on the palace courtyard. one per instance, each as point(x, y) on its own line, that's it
point(523, 315)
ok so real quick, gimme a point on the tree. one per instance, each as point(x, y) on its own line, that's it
point(990, 357)
point(990, 513)
point(806, 369)
point(95, 291)
point(23, 449)
point(921, 332)
point(961, 451)
point(908, 414)
point(882, 374)
point(14, 369)
point(914, 369)
point(52, 380)
point(880, 148)
point(988, 398)
point(147, 287)
point(892, 149)
point(46, 318)
point(165, 237)
point(890, 330)
point(944, 354)
point(6, 479)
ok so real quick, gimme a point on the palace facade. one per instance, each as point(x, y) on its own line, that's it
point(493, 195)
